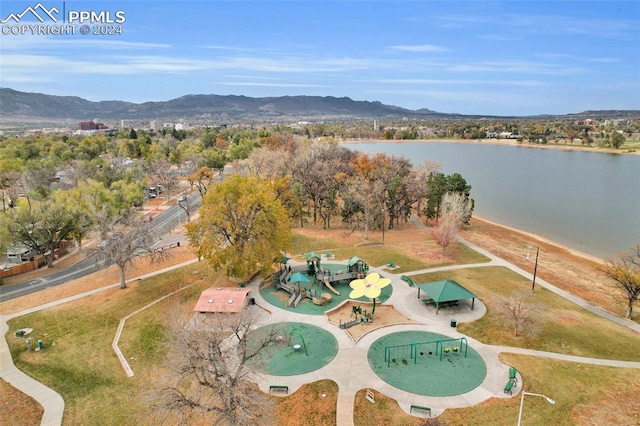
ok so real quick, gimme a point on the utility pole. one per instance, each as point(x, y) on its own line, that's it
point(535, 270)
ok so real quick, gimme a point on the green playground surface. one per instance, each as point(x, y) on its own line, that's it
point(300, 348)
point(279, 298)
point(424, 371)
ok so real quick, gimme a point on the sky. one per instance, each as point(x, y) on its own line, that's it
point(468, 57)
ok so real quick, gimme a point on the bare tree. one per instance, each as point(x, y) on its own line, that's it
point(446, 231)
point(625, 273)
point(209, 369)
point(125, 242)
point(457, 204)
point(161, 172)
point(520, 309)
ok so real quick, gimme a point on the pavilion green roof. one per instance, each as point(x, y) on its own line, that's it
point(446, 291)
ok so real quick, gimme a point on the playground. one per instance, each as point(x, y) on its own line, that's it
point(298, 349)
point(316, 287)
point(378, 337)
point(347, 312)
point(426, 363)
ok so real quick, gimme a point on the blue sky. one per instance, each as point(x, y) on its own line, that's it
point(470, 57)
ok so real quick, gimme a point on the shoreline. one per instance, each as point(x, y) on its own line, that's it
point(506, 142)
point(542, 239)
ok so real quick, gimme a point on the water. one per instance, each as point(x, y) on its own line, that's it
point(585, 200)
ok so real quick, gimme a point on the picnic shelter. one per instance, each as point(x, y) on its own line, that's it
point(445, 293)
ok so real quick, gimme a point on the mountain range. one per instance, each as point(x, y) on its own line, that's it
point(24, 105)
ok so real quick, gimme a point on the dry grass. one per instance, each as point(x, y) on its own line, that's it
point(308, 406)
point(571, 271)
point(584, 395)
point(17, 408)
point(385, 411)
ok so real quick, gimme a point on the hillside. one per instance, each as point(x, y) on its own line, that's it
point(23, 105)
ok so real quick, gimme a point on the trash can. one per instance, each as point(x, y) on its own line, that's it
point(40, 345)
point(252, 301)
point(454, 323)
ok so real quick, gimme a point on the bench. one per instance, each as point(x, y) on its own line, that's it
point(407, 280)
point(391, 265)
point(513, 374)
point(279, 388)
point(420, 407)
point(508, 386)
point(429, 302)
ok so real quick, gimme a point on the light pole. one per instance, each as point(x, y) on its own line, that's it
point(383, 224)
point(549, 400)
point(535, 270)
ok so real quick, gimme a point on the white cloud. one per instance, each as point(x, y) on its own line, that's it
point(419, 48)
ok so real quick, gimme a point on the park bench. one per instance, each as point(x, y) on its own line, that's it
point(508, 386)
point(407, 280)
point(279, 388)
point(391, 265)
point(420, 407)
point(513, 374)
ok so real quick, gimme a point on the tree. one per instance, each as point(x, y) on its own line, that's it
point(446, 231)
point(160, 171)
point(42, 224)
point(210, 368)
point(617, 140)
point(242, 226)
point(520, 309)
point(625, 274)
point(438, 185)
point(202, 178)
point(125, 242)
point(458, 205)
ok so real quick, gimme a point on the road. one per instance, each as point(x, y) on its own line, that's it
point(160, 226)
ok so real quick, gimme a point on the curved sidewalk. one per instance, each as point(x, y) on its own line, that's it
point(51, 401)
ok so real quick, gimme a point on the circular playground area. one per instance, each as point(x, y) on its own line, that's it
point(296, 349)
point(315, 288)
point(426, 363)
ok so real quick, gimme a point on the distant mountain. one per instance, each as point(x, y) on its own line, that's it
point(21, 104)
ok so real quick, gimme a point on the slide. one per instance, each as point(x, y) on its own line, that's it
point(330, 287)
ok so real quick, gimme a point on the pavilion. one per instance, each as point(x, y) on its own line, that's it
point(445, 293)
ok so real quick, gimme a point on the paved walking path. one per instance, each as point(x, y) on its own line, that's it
point(350, 368)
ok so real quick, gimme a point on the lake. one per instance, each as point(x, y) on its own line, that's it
point(585, 200)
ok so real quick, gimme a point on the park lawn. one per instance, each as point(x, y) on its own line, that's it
point(377, 255)
point(384, 411)
point(78, 361)
point(559, 326)
point(307, 406)
point(584, 394)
